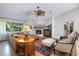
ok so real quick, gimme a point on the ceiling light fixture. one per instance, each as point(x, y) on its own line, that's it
point(39, 12)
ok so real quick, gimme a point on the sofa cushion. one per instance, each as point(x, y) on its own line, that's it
point(67, 40)
point(64, 47)
point(70, 38)
point(17, 35)
point(48, 42)
point(63, 40)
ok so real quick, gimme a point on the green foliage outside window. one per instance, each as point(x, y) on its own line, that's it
point(12, 27)
point(40, 26)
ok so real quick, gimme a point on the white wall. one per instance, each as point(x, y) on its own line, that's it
point(58, 27)
point(69, 16)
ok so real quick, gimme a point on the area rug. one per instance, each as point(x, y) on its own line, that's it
point(43, 50)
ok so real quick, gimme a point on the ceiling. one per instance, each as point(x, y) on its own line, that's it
point(19, 10)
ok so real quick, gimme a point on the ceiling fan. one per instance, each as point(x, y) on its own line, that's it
point(37, 12)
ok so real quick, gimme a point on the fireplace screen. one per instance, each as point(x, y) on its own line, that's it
point(38, 31)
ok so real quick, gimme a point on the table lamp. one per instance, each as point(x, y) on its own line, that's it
point(26, 29)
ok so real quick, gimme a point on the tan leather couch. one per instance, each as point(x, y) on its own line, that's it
point(12, 41)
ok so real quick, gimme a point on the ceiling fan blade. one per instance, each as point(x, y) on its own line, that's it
point(28, 13)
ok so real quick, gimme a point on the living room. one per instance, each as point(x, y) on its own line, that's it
point(46, 24)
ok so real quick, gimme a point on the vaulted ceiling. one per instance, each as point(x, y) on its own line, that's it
point(20, 10)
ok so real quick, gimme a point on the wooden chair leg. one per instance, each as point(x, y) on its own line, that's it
point(70, 54)
point(54, 51)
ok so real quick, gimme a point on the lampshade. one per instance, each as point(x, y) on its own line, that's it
point(26, 28)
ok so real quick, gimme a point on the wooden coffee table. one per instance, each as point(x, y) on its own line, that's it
point(25, 46)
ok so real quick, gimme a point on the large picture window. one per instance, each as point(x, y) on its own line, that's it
point(13, 27)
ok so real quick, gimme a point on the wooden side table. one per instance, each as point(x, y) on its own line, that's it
point(25, 46)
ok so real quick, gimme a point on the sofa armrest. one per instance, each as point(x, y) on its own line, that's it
point(12, 42)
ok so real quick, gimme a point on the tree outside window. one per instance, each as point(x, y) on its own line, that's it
point(13, 27)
